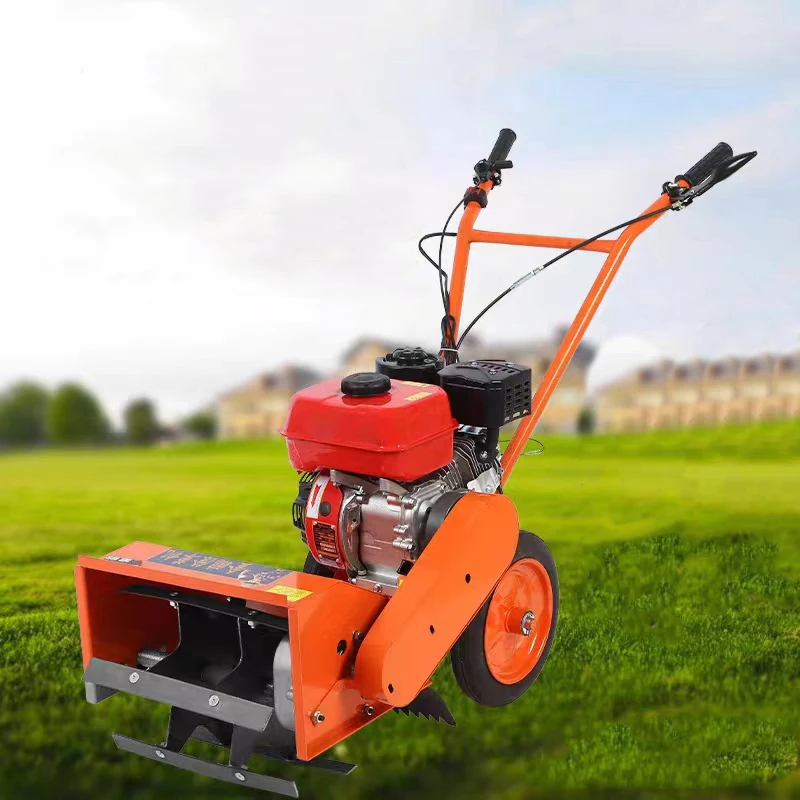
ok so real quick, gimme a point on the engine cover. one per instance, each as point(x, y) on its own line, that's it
point(374, 529)
point(402, 434)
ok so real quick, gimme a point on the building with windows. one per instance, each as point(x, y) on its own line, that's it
point(702, 393)
point(257, 408)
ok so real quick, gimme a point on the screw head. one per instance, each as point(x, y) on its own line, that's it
point(318, 718)
point(213, 701)
point(377, 588)
point(160, 754)
point(526, 623)
point(368, 710)
point(239, 776)
point(133, 677)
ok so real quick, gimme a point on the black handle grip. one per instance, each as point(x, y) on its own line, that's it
point(707, 164)
point(502, 147)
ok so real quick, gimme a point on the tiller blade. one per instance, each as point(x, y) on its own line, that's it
point(223, 652)
point(429, 704)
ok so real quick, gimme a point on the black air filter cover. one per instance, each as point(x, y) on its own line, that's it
point(487, 393)
point(410, 364)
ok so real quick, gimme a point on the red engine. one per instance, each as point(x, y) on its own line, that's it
point(383, 458)
point(370, 425)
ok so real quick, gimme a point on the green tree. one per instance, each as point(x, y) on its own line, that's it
point(141, 423)
point(586, 421)
point(202, 424)
point(23, 414)
point(75, 416)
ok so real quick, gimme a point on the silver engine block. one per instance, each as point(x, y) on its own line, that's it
point(382, 523)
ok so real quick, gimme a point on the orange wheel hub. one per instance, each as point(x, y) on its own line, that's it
point(518, 621)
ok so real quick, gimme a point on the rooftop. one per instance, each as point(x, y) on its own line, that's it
point(697, 369)
point(290, 378)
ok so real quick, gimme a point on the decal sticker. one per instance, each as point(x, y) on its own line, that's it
point(290, 592)
point(244, 571)
point(418, 396)
point(317, 490)
point(134, 562)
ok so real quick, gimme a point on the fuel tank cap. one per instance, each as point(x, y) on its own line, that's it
point(366, 384)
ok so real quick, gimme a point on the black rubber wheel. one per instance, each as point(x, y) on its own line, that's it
point(313, 567)
point(469, 657)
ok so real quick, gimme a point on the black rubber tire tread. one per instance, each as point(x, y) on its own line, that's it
point(313, 567)
point(468, 657)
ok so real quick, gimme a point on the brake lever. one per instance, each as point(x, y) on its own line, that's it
point(682, 196)
point(490, 171)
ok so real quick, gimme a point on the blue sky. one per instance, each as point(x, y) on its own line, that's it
point(194, 192)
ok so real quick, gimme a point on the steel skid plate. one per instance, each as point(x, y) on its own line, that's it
point(222, 772)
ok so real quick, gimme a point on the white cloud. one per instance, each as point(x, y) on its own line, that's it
point(195, 191)
point(618, 356)
point(672, 35)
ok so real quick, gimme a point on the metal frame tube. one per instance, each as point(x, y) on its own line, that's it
point(617, 249)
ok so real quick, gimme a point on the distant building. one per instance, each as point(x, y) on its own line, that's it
point(257, 409)
point(702, 393)
point(361, 355)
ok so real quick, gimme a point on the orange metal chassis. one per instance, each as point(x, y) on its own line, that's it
point(616, 249)
point(114, 626)
point(404, 637)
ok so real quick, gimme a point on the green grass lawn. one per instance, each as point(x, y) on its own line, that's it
point(676, 665)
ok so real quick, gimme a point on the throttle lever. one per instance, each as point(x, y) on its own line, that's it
point(490, 171)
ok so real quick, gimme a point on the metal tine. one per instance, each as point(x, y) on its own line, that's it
point(429, 704)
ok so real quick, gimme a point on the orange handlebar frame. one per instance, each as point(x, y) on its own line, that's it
point(616, 249)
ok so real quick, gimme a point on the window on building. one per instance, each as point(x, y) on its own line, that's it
point(722, 369)
point(756, 366)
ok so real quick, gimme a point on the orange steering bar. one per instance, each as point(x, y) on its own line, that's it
point(617, 249)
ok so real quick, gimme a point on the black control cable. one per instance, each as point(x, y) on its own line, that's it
point(528, 275)
point(448, 344)
point(443, 287)
point(715, 167)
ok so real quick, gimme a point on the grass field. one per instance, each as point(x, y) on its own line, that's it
point(676, 666)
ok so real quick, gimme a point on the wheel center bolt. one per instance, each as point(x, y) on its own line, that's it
point(526, 623)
